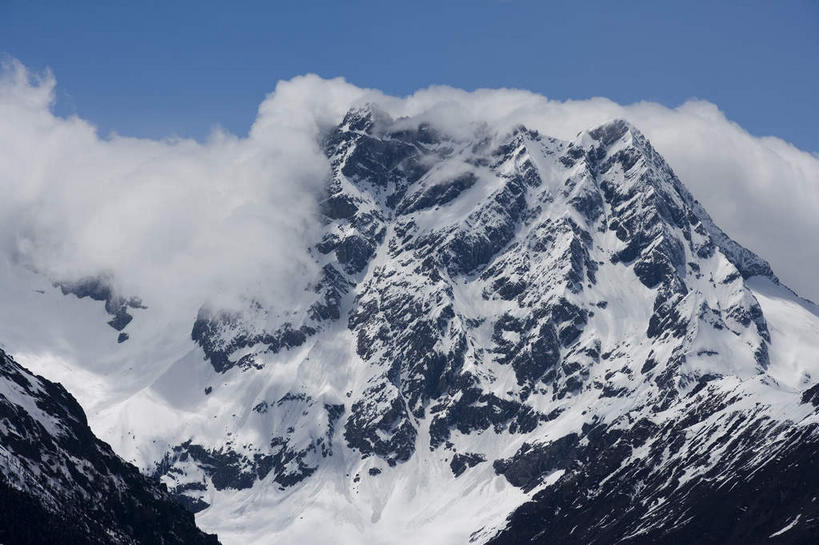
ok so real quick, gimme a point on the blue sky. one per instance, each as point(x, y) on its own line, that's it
point(179, 68)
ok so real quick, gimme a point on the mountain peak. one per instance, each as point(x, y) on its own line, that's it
point(366, 118)
point(506, 312)
point(613, 130)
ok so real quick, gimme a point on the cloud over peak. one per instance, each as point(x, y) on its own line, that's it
point(179, 222)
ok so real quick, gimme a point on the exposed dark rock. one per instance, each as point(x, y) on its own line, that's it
point(339, 206)
point(462, 462)
point(354, 252)
point(811, 395)
point(100, 288)
point(477, 411)
point(207, 333)
point(436, 195)
point(532, 462)
point(379, 424)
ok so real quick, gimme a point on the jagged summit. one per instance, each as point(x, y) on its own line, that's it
point(368, 118)
point(513, 336)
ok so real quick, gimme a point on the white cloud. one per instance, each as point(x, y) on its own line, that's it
point(175, 222)
point(179, 222)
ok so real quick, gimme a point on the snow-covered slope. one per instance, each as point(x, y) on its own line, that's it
point(514, 339)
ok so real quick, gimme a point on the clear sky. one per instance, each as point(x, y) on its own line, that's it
point(154, 68)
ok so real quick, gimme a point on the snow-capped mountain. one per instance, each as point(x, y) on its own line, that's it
point(60, 484)
point(514, 339)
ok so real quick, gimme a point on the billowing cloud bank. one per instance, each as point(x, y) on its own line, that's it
point(179, 222)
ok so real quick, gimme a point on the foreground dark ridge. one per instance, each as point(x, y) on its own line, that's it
point(60, 484)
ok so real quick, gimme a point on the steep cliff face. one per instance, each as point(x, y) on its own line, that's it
point(60, 484)
point(513, 339)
